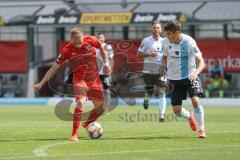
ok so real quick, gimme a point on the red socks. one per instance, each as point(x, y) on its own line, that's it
point(76, 120)
point(94, 115)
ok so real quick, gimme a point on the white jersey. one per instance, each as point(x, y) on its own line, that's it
point(109, 51)
point(151, 64)
point(181, 57)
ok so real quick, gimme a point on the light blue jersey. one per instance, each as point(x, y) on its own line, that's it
point(181, 57)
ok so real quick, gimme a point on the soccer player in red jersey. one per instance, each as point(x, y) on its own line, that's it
point(81, 54)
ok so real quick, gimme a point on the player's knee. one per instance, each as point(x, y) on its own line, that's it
point(81, 102)
point(195, 101)
point(177, 110)
point(162, 96)
point(99, 106)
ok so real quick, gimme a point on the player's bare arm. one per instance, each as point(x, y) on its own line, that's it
point(106, 68)
point(163, 66)
point(111, 64)
point(152, 53)
point(50, 73)
point(200, 66)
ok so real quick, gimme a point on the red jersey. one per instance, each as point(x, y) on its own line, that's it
point(83, 60)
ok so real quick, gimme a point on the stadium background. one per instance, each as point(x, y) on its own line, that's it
point(33, 31)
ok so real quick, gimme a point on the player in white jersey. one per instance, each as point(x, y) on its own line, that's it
point(105, 78)
point(183, 61)
point(151, 51)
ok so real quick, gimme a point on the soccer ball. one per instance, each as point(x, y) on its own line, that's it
point(95, 130)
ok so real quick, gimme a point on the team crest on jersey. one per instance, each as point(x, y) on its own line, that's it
point(89, 47)
point(177, 53)
point(169, 47)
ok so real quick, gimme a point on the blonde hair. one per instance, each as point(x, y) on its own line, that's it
point(76, 31)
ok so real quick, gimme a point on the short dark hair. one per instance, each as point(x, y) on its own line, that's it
point(172, 26)
point(156, 22)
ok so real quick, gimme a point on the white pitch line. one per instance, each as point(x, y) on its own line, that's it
point(41, 151)
point(120, 152)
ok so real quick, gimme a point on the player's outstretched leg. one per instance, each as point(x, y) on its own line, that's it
point(107, 101)
point(148, 95)
point(199, 115)
point(162, 107)
point(76, 121)
point(94, 113)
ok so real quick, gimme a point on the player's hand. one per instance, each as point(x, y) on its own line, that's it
point(153, 53)
point(106, 69)
point(163, 71)
point(37, 87)
point(193, 76)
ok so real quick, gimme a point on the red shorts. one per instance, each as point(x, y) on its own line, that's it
point(91, 90)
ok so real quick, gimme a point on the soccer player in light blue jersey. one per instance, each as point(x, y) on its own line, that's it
point(183, 62)
point(151, 51)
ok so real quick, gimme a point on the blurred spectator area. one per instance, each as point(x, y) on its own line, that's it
point(12, 85)
point(232, 90)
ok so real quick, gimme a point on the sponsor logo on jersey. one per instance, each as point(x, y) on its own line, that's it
point(178, 57)
point(89, 47)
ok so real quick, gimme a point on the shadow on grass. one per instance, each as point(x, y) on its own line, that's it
point(37, 139)
point(146, 138)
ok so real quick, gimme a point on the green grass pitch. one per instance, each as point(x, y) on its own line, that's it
point(28, 132)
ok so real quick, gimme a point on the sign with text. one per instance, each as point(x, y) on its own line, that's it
point(226, 51)
point(163, 17)
point(70, 19)
point(63, 19)
point(106, 18)
point(49, 19)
